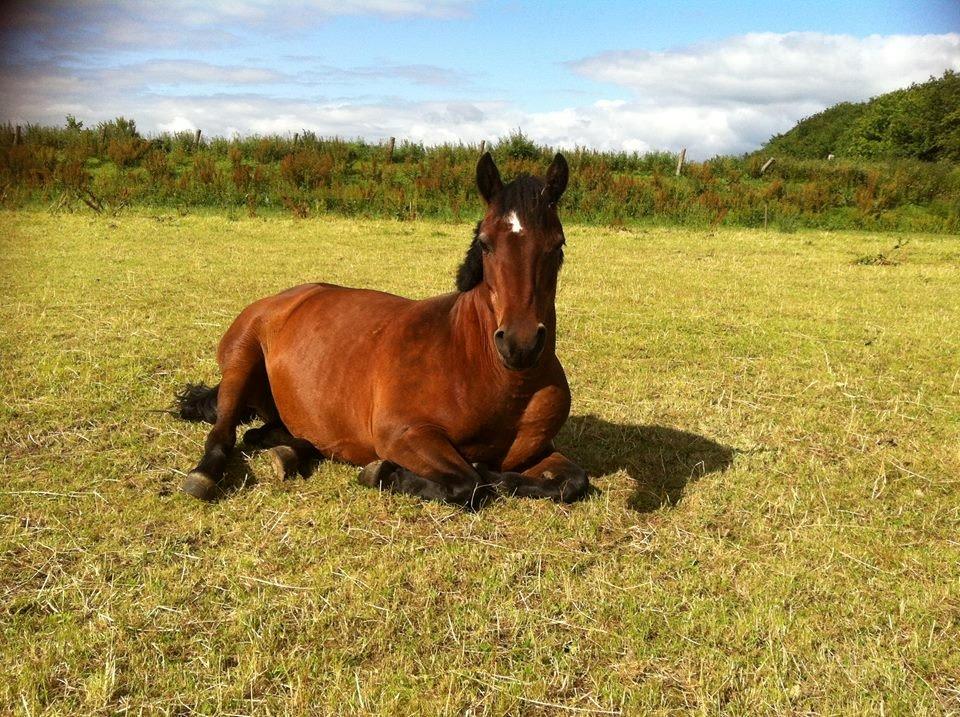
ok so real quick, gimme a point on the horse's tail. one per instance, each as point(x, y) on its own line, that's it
point(196, 402)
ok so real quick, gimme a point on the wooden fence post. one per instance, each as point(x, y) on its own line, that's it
point(196, 140)
point(390, 145)
point(17, 139)
point(683, 155)
point(767, 165)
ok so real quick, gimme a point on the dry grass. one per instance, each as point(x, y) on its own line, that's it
point(773, 426)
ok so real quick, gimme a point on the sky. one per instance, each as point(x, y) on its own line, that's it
point(714, 77)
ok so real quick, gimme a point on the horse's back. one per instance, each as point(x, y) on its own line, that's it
point(268, 317)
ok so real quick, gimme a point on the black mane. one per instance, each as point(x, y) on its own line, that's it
point(470, 272)
point(524, 195)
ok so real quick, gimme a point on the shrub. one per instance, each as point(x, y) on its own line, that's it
point(354, 177)
point(126, 151)
point(307, 169)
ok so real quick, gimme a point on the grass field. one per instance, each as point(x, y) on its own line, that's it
point(771, 419)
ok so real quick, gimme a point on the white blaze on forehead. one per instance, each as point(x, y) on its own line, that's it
point(515, 226)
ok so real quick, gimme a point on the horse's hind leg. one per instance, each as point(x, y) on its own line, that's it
point(289, 456)
point(243, 379)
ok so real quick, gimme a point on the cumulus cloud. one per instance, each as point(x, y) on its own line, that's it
point(730, 96)
point(178, 124)
point(769, 68)
point(719, 98)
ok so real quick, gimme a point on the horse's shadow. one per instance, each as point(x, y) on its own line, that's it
point(243, 470)
point(661, 460)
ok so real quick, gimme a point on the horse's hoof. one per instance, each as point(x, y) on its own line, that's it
point(200, 485)
point(284, 461)
point(575, 488)
point(375, 475)
point(481, 495)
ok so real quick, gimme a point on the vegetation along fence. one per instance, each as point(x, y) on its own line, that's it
point(112, 166)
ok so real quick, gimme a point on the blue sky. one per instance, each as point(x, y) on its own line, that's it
point(718, 77)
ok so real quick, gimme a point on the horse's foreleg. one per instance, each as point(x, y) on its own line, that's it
point(421, 461)
point(553, 476)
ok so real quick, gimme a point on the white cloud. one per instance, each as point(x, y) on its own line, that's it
point(180, 124)
point(768, 68)
point(730, 96)
point(724, 97)
point(417, 74)
point(176, 72)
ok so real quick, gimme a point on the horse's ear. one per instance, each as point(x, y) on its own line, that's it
point(488, 178)
point(557, 176)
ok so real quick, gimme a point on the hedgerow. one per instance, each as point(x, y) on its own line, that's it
point(113, 165)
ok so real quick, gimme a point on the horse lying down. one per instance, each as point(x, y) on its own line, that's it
point(453, 398)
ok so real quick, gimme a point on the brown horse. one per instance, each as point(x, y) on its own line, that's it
point(451, 398)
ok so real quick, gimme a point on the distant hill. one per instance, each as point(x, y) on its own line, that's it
point(919, 122)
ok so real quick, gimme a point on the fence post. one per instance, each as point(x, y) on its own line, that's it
point(390, 145)
point(17, 139)
point(196, 140)
point(767, 165)
point(683, 155)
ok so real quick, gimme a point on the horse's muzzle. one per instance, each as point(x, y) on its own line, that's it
point(517, 354)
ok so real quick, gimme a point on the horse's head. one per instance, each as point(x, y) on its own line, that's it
point(516, 252)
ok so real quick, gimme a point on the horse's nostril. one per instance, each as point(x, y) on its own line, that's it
point(499, 334)
point(541, 339)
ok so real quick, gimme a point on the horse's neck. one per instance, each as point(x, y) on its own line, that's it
point(473, 326)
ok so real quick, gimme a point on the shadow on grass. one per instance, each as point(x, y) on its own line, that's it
point(661, 460)
point(241, 471)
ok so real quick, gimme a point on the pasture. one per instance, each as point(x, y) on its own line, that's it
point(771, 421)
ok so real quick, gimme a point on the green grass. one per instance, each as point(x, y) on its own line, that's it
point(772, 420)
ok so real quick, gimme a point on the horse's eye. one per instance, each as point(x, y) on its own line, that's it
point(484, 246)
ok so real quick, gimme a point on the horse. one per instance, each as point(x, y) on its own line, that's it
point(455, 398)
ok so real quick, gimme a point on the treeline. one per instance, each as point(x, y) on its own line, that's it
point(919, 122)
point(112, 166)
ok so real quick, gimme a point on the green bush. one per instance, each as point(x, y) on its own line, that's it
point(314, 174)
